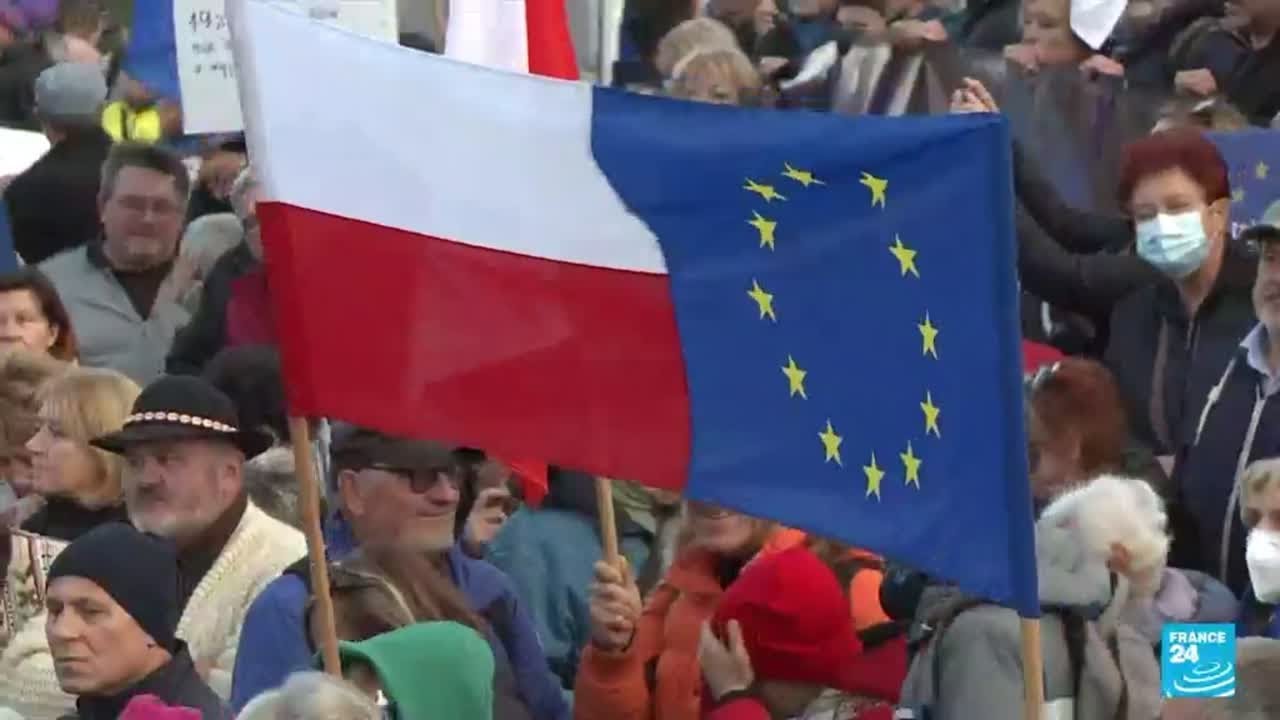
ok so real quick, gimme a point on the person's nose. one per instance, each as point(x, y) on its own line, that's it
point(62, 627)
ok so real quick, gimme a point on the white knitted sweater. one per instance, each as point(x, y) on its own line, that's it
point(259, 550)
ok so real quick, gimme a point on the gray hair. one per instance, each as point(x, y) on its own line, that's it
point(272, 484)
point(312, 696)
point(244, 182)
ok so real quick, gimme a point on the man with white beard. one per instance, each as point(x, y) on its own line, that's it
point(185, 481)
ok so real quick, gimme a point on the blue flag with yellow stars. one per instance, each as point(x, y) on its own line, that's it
point(1253, 157)
point(846, 302)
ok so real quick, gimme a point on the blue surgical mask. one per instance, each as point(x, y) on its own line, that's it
point(1175, 243)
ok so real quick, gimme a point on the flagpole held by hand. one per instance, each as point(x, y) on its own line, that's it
point(1032, 668)
point(309, 496)
point(608, 522)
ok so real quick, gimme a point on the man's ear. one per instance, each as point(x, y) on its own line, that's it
point(349, 495)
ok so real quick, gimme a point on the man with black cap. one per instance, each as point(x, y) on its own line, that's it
point(113, 610)
point(401, 493)
point(53, 205)
point(184, 482)
point(1240, 423)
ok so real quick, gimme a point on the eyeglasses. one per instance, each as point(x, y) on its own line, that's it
point(421, 480)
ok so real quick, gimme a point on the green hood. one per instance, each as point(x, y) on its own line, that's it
point(430, 671)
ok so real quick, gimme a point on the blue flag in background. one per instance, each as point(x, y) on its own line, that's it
point(1253, 157)
point(846, 299)
point(151, 57)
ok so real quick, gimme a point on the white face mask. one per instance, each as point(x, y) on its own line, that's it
point(1175, 244)
point(1262, 555)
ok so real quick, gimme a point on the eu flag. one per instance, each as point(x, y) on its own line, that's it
point(1253, 157)
point(846, 300)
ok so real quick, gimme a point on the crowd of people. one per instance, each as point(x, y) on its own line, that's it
point(151, 541)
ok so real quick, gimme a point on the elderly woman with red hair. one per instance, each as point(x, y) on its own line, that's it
point(1170, 340)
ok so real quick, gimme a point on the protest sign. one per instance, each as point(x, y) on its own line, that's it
point(19, 149)
point(206, 69)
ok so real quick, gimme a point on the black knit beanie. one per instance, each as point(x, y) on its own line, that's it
point(138, 571)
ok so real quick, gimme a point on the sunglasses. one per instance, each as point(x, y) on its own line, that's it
point(421, 480)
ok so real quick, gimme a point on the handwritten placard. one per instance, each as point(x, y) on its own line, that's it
point(206, 66)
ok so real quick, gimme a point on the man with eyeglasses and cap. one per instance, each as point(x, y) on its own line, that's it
point(1240, 423)
point(401, 493)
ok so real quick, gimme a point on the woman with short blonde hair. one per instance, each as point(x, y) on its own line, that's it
point(722, 76)
point(690, 36)
point(81, 484)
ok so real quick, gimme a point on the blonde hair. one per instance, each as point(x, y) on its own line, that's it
point(730, 62)
point(689, 37)
point(1256, 480)
point(87, 403)
point(22, 372)
point(312, 696)
point(1112, 510)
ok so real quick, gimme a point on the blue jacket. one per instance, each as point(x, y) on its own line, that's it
point(550, 555)
point(1258, 619)
point(273, 642)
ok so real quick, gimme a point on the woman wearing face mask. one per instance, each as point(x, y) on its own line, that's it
point(643, 658)
point(1260, 510)
point(1170, 340)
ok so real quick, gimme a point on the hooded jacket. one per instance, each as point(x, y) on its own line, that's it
point(274, 638)
point(972, 668)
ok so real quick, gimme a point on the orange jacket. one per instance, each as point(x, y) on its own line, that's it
point(658, 677)
point(615, 685)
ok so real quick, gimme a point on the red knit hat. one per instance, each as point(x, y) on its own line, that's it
point(795, 621)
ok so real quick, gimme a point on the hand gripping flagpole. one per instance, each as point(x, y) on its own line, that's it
point(1032, 668)
point(309, 489)
point(608, 521)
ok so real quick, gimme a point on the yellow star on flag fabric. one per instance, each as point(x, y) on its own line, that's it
point(804, 177)
point(1237, 195)
point(763, 299)
point(831, 444)
point(905, 255)
point(765, 191)
point(877, 186)
point(911, 464)
point(1261, 170)
point(929, 337)
point(765, 227)
point(795, 377)
point(874, 476)
point(931, 413)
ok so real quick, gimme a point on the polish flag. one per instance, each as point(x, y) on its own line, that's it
point(519, 35)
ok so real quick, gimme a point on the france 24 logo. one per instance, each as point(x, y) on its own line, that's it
point(1198, 660)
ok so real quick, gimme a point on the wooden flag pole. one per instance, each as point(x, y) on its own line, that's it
point(608, 521)
point(309, 496)
point(1032, 668)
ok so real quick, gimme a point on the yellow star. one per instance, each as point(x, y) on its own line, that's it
point(765, 228)
point(795, 376)
point(804, 177)
point(929, 334)
point(912, 465)
point(1237, 195)
point(763, 299)
point(931, 413)
point(1261, 171)
point(906, 257)
point(831, 443)
point(877, 186)
point(765, 191)
point(874, 476)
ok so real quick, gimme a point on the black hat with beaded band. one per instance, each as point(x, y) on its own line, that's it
point(181, 407)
